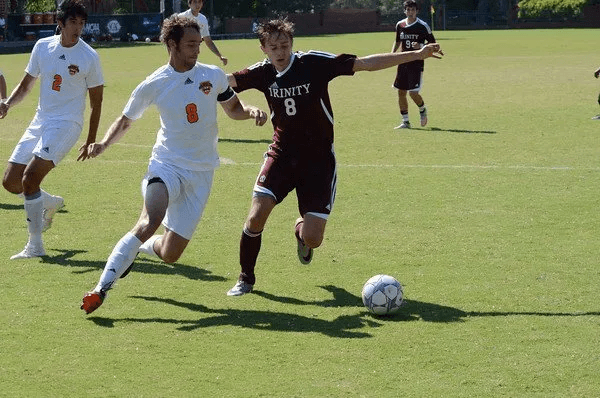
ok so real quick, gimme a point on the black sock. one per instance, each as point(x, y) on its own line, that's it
point(249, 248)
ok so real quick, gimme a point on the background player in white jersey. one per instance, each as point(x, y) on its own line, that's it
point(68, 69)
point(194, 12)
point(180, 172)
point(411, 34)
point(2, 87)
point(301, 157)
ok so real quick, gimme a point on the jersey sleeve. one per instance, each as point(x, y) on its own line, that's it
point(225, 93)
point(95, 77)
point(33, 67)
point(141, 98)
point(429, 38)
point(203, 25)
point(251, 77)
point(332, 66)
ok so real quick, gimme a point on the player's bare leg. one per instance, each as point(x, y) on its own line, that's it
point(403, 105)
point(13, 178)
point(309, 230)
point(120, 261)
point(250, 242)
point(416, 97)
point(13, 183)
point(33, 175)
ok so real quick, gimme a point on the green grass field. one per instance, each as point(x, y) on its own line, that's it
point(488, 217)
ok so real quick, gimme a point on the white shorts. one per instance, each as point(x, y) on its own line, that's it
point(188, 193)
point(48, 140)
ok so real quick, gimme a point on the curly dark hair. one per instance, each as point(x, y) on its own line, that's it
point(71, 8)
point(275, 26)
point(174, 27)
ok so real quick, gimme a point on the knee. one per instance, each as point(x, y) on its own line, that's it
point(11, 186)
point(312, 241)
point(144, 229)
point(169, 257)
point(254, 223)
point(30, 183)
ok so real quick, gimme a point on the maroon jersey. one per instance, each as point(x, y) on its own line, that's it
point(298, 98)
point(418, 31)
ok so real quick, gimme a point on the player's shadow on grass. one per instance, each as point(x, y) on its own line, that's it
point(141, 265)
point(345, 326)
point(9, 206)
point(438, 129)
point(341, 298)
point(412, 310)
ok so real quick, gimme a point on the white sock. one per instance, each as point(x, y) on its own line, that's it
point(34, 209)
point(45, 196)
point(119, 260)
point(148, 246)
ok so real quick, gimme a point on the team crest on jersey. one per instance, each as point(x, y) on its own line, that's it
point(73, 69)
point(205, 87)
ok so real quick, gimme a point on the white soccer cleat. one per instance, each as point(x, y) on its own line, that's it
point(30, 251)
point(240, 288)
point(423, 117)
point(404, 125)
point(597, 117)
point(53, 204)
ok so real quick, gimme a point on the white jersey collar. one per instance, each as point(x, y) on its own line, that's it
point(292, 58)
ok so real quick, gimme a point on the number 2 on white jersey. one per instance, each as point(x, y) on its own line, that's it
point(56, 82)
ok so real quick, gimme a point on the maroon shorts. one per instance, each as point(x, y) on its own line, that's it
point(408, 78)
point(314, 176)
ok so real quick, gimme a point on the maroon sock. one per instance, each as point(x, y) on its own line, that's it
point(249, 248)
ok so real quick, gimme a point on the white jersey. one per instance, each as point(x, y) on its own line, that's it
point(187, 103)
point(202, 21)
point(65, 76)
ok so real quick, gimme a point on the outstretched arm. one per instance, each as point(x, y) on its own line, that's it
point(2, 88)
point(382, 61)
point(214, 49)
point(20, 92)
point(96, 95)
point(114, 134)
point(237, 110)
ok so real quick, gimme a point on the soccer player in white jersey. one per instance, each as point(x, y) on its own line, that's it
point(301, 157)
point(194, 12)
point(180, 172)
point(68, 70)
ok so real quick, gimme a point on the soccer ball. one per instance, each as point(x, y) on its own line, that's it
point(382, 294)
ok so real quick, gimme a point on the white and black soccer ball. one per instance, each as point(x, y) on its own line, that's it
point(382, 294)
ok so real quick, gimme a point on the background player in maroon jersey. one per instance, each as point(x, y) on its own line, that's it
point(596, 74)
point(411, 34)
point(301, 156)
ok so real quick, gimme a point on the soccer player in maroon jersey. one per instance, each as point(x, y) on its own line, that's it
point(301, 156)
point(411, 34)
